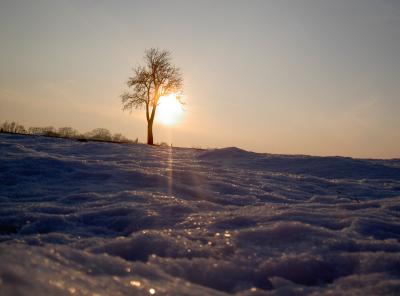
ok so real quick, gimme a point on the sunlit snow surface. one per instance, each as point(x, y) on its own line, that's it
point(112, 219)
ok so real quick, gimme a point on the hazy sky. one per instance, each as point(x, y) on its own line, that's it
point(299, 77)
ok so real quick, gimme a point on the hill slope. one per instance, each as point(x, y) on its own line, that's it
point(110, 219)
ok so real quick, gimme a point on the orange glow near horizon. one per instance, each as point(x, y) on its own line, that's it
point(169, 111)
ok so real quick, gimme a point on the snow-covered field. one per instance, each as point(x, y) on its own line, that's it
point(111, 219)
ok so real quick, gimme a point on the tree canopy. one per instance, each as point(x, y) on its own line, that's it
point(157, 78)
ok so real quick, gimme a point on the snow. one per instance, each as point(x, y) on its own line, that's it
point(88, 218)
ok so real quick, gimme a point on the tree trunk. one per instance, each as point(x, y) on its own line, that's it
point(150, 132)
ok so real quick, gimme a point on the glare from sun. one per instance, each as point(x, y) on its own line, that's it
point(169, 110)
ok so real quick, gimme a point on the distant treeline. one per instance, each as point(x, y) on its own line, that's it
point(98, 134)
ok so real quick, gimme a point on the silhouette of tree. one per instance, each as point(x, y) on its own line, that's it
point(33, 130)
point(99, 134)
point(150, 82)
point(49, 131)
point(119, 138)
point(67, 132)
point(12, 127)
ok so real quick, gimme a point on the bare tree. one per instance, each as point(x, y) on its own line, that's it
point(99, 134)
point(35, 130)
point(68, 132)
point(150, 82)
point(12, 127)
point(49, 131)
point(119, 138)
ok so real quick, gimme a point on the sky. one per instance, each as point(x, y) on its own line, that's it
point(290, 77)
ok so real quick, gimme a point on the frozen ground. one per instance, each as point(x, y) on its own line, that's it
point(111, 219)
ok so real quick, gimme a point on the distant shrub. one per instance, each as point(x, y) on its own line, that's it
point(119, 138)
point(12, 127)
point(36, 130)
point(50, 131)
point(99, 134)
point(67, 132)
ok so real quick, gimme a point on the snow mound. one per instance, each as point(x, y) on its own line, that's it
point(109, 219)
point(326, 167)
point(226, 153)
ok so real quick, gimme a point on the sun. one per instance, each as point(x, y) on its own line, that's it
point(169, 110)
